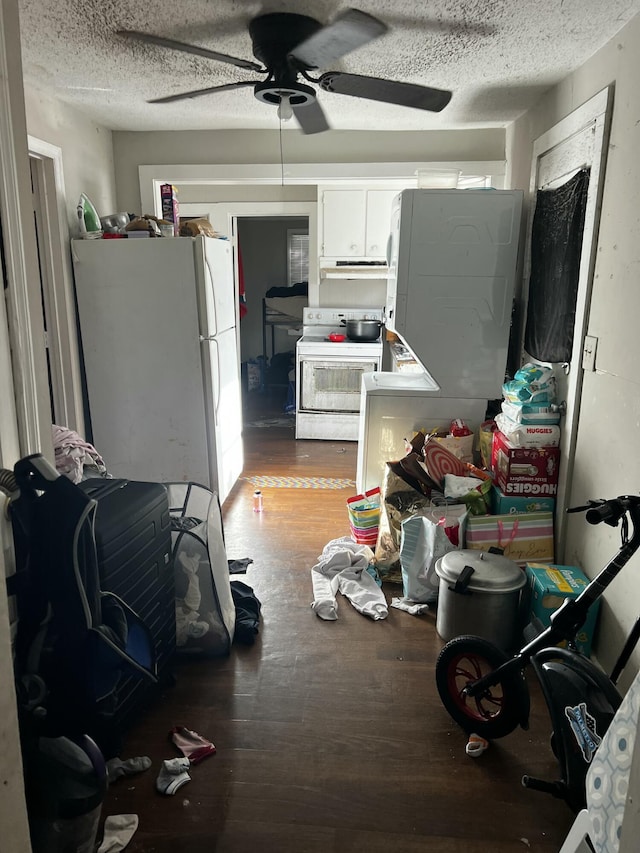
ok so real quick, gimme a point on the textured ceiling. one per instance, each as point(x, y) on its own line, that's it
point(497, 56)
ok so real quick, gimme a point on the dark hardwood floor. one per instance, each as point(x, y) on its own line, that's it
point(330, 735)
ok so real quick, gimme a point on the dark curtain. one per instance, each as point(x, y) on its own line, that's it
point(556, 245)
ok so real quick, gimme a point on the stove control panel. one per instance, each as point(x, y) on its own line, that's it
point(334, 316)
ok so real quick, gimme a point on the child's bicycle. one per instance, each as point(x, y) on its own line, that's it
point(485, 691)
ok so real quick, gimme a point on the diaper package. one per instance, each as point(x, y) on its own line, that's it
point(530, 413)
point(532, 383)
point(528, 435)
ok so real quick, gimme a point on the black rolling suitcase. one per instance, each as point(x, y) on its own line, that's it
point(133, 542)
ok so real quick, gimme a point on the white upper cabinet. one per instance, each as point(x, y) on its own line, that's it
point(355, 223)
point(378, 225)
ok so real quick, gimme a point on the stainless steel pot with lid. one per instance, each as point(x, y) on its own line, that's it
point(479, 594)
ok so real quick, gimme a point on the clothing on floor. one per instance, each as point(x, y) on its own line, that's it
point(117, 768)
point(410, 606)
point(342, 567)
point(239, 567)
point(119, 829)
point(248, 609)
point(173, 775)
point(192, 745)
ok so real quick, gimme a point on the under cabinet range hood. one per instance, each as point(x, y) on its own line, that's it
point(354, 269)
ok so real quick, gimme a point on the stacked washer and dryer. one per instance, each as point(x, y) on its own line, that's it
point(453, 257)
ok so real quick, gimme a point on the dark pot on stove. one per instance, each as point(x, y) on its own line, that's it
point(363, 330)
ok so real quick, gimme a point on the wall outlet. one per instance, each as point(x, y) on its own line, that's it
point(589, 353)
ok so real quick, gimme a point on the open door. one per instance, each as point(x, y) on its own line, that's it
point(569, 158)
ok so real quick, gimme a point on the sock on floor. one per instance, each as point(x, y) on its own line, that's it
point(239, 567)
point(173, 775)
point(191, 744)
point(118, 832)
point(116, 767)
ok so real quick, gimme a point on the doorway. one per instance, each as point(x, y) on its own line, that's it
point(254, 336)
point(273, 255)
point(576, 144)
point(56, 288)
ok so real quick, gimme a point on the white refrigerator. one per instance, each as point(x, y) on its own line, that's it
point(157, 320)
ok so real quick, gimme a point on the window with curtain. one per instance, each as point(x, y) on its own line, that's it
point(297, 255)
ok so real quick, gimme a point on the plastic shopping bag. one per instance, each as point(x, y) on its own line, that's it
point(424, 539)
point(400, 500)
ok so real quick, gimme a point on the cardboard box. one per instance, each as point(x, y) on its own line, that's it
point(170, 207)
point(523, 538)
point(502, 504)
point(524, 470)
point(548, 586)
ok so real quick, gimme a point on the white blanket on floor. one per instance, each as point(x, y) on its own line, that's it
point(342, 567)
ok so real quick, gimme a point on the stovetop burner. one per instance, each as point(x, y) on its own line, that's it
point(319, 323)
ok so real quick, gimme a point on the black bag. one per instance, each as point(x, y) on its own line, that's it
point(74, 642)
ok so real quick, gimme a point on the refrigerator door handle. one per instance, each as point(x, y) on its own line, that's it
point(216, 389)
point(209, 284)
point(219, 394)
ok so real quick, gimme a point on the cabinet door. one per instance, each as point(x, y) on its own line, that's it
point(378, 221)
point(343, 223)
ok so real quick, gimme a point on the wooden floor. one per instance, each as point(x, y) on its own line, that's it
point(330, 735)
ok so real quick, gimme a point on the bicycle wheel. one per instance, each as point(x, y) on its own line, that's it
point(499, 709)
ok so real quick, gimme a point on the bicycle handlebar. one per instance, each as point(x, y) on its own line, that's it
point(612, 510)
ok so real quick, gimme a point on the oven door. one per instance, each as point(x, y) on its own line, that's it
point(332, 385)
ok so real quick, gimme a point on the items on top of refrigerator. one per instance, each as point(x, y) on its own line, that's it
point(194, 227)
point(170, 207)
point(88, 220)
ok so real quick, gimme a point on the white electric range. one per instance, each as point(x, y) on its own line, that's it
point(329, 374)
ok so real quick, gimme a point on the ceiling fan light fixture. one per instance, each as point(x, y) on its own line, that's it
point(289, 45)
point(296, 94)
point(285, 111)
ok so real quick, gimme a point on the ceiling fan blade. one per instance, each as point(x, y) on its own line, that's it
point(350, 30)
point(388, 91)
point(310, 117)
point(135, 35)
point(182, 96)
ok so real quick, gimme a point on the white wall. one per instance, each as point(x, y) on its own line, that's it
point(87, 152)
point(228, 146)
point(607, 462)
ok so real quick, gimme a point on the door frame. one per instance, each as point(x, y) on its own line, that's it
point(50, 208)
point(22, 416)
point(233, 210)
point(595, 114)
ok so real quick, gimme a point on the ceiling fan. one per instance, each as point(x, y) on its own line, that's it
point(289, 46)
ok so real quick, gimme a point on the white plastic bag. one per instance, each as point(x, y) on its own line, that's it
point(424, 539)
